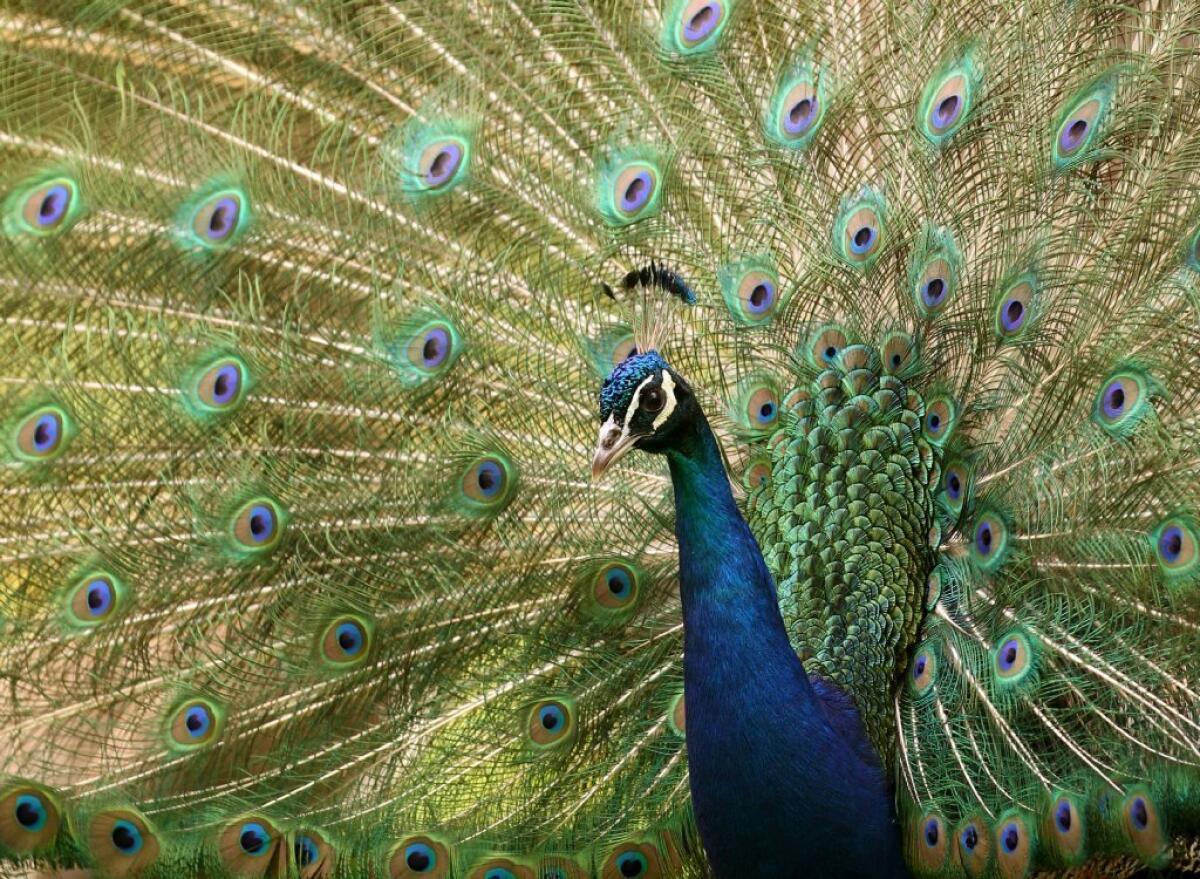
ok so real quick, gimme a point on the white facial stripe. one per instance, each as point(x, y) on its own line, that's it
point(668, 388)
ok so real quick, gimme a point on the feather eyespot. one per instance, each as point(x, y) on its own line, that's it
point(551, 723)
point(29, 818)
point(797, 107)
point(346, 641)
point(1065, 829)
point(50, 206)
point(1013, 313)
point(860, 229)
point(441, 161)
point(750, 289)
point(955, 479)
point(216, 219)
point(989, 542)
point(757, 474)
point(898, 352)
point(194, 724)
point(923, 672)
point(258, 526)
point(42, 435)
point(756, 408)
point(948, 99)
point(501, 868)
point(1175, 547)
point(94, 598)
point(487, 485)
point(694, 26)
point(1143, 827)
point(927, 845)
point(632, 862)
point(974, 846)
point(940, 416)
point(1123, 401)
point(216, 387)
point(1081, 121)
point(677, 715)
point(246, 846)
point(1012, 658)
point(1014, 849)
point(825, 346)
point(629, 186)
point(420, 856)
point(616, 586)
point(122, 842)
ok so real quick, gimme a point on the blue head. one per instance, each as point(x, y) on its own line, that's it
point(643, 402)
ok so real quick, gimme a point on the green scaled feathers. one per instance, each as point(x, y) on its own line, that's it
point(304, 308)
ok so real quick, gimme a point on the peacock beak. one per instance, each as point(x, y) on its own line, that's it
point(614, 442)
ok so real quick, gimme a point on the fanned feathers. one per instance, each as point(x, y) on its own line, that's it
point(300, 569)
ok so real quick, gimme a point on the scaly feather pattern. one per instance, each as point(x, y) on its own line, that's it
point(303, 315)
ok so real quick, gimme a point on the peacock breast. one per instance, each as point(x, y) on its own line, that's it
point(845, 515)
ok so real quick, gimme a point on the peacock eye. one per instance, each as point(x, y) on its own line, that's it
point(631, 864)
point(218, 218)
point(420, 858)
point(305, 851)
point(194, 724)
point(253, 839)
point(94, 598)
point(652, 399)
point(441, 161)
point(345, 641)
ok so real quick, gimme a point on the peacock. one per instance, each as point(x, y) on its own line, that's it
point(610, 439)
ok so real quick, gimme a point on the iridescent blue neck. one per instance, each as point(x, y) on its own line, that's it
point(783, 779)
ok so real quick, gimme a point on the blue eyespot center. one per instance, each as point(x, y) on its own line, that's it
point(970, 838)
point(198, 721)
point(762, 296)
point(226, 384)
point(920, 665)
point(305, 851)
point(350, 638)
point(99, 596)
point(619, 583)
point(1012, 315)
point(223, 219)
point(551, 717)
point(489, 477)
point(1170, 543)
point(1139, 813)
point(499, 873)
point(1010, 838)
point(30, 812)
point(420, 858)
point(46, 432)
point(946, 112)
point(702, 23)
point(126, 837)
point(862, 240)
point(1073, 134)
point(932, 832)
point(1009, 652)
point(766, 412)
point(253, 839)
point(933, 292)
point(801, 115)
point(1062, 816)
point(984, 538)
point(637, 192)
point(953, 485)
point(262, 523)
point(631, 864)
point(444, 164)
point(435, 348)
point(1114, 400)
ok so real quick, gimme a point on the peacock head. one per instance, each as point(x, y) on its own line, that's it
point(643, 404)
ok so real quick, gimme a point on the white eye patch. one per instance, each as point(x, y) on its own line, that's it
point(668, 389)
